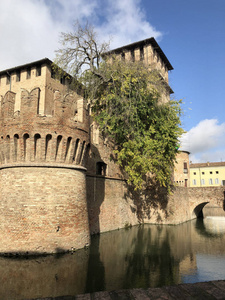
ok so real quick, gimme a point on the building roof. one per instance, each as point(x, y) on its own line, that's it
point(208, 164)
point(148, 41)
point(34, 63)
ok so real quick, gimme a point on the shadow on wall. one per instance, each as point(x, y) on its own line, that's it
point(95, 191)
point(151, 202)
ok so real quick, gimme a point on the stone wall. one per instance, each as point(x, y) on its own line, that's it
point(43, 209)
point(112, 204)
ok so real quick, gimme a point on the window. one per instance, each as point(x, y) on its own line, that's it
point(202, 181)
point(203, 173)
point(194, 173)
point(28, 73)
point(216, 180)
point(141, 53)
point(7, 79)
point(185, 168)
point(194, 181)
point(18, 75)
point(101, 168)
point(123, 55)
point(217, 172)
point(210, 181)
point(210, 172)
point(38, 71)
point(132, 55)
point(62, 80)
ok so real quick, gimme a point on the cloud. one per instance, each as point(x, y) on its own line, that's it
point(29, 29)
point(126, 22)
point(205, 141)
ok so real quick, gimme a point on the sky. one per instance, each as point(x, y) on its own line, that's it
point(190, 33)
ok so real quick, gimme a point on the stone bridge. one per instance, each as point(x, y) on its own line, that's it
point(202, 196)
point(188, 203)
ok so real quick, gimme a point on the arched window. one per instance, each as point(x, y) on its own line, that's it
point(68, 145)
point(25, 144)
point(16, 138)
point(47, 143)
point(37, 147)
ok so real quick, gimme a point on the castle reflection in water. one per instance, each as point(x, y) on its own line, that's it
point(142, 256)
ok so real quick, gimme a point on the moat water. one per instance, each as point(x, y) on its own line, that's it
point(140, 257)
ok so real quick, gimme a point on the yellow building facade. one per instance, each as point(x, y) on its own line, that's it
point(207, 174)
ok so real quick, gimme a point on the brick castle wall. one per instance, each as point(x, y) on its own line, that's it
point(43, 174)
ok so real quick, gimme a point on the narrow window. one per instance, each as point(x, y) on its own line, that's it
point(216, 180)
point(7, 79)
point(7, 148)
point(210, 181)
point(185, 168)
point(36, 144)
point(28, 73)
point(101, 168)
point(68, 145)
point(25, 144)
point(194, 181)
point(38, 71)
point(132, 55)
point(16, 138)
point(58, 143)
point(141, 53)
point(75, 149)
point(18, 75)
point(202, 181)
point(47, 141)
point(62, 80)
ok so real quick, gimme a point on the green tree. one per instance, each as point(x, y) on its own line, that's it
point(126, 103)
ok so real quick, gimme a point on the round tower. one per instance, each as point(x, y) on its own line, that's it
point(43, 207)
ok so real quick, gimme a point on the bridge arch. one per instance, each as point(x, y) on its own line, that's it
point(197, 211)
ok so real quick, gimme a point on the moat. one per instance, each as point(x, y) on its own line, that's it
point(142, 256)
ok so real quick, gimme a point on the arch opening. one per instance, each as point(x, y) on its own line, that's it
point(197, 212)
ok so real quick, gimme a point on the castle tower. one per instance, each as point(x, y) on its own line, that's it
point(44, 142)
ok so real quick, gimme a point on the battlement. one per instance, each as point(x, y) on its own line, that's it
point(45, 123)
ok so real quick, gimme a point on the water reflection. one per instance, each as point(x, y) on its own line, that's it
point(146, 256)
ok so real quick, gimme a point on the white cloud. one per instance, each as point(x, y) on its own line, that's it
point(126, 22)
point(29, 29)
point(205, 141)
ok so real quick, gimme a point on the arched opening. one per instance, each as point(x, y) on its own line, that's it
point(68, 146)
point(7, 154)
point(37, 146)
point(198, 210)
point(47, 144)
point(16, 139)
point(75, 149)
point(25, 145)
point(58, 144)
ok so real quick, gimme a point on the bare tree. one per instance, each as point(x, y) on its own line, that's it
point(80, 51)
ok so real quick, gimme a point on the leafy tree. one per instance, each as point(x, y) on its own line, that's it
point(126, 103)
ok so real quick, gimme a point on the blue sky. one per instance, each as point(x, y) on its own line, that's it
point(191, 34)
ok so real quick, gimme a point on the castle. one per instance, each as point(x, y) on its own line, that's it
point(58, 184)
